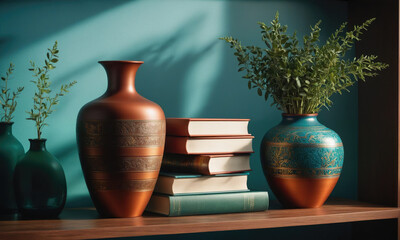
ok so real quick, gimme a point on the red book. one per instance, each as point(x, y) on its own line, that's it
point(191, 127)
point(208, 145)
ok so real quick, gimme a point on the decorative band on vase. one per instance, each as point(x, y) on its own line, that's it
point(311, 158)
point(121, 175)
point(318, 128)
point(123, 133)
point(123, 127)
point(123, 163)
point(127, 151)
point(126, 185)
point(124, 141)
point(304, 172)
point(304, 145)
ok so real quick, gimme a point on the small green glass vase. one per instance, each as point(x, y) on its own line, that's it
point(39, 181)
point(11, 151)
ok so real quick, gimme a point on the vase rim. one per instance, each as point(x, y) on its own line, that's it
point(37, 140)
point(120, 61)
point(6, 123)
point(299, 115)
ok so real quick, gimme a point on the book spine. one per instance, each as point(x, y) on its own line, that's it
point(178, 127)
point(185, 164)
point(218, 203)
point(176, 145)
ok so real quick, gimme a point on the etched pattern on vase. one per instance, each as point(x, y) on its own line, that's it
point(309, 151)
point(125, 133)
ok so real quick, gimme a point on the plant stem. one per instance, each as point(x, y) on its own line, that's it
point(39, 122)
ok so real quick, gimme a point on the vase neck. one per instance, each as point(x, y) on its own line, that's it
point(121, 75)
point(299, 119)
point(37, 145)
point(6, 128)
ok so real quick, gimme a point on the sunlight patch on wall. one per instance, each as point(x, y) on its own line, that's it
point(163, 32)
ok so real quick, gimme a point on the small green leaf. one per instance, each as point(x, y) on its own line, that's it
point(298, 82)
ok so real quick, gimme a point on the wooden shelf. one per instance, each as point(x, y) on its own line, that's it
point(378, 166)
point(86, 224)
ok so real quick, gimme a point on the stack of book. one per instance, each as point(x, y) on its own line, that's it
point(205, 169)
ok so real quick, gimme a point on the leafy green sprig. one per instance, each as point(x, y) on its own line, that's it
point(7, 97)
point(43, 102)
point(301, 80)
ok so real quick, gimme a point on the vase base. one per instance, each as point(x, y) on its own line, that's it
point(40, 213)
point(300, 192)
point(120, 203)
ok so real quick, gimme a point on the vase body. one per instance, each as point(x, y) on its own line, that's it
point(121, 138)
point(302, 160)
point(39, 183)
point(11, 152)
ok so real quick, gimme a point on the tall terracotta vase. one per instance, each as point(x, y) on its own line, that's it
point(121, 139)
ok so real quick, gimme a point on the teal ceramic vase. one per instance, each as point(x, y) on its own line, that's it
point(302, 160)
point(11, 151)
point(39, 182)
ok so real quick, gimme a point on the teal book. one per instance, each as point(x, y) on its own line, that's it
point(184, 184)
point(172, 206)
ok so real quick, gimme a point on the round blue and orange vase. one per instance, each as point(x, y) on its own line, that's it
point(302, 160)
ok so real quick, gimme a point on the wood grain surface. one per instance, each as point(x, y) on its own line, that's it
point(86, 224)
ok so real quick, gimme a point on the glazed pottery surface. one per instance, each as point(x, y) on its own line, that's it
point(39, 181)
point(121, 139)
point(11, 152)
point(302, 160)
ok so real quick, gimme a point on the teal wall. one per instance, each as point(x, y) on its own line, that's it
point(187, 70)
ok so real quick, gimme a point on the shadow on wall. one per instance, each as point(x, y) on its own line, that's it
point(162, 80)
point(149, 80)
point(187, 70)
point(46, 17)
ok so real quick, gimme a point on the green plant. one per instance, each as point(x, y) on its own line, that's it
point(43, 102)
point(301, 80)
point(7, 97)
